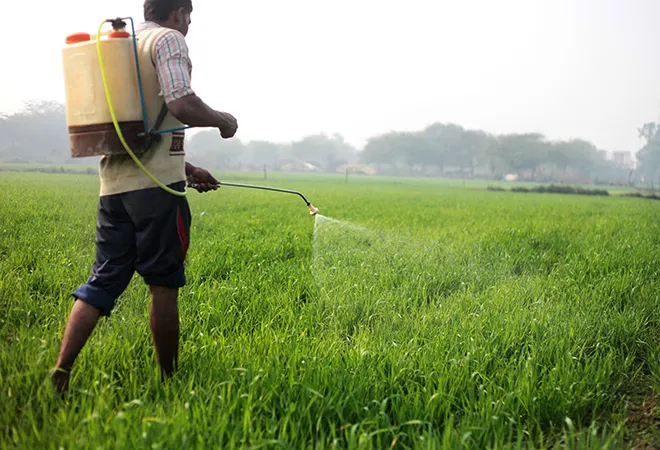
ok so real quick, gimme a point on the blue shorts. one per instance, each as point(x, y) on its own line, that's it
point(147, 231)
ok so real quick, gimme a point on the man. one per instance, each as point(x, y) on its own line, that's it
point(140, 226)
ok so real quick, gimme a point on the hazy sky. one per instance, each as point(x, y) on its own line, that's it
point(287, 68)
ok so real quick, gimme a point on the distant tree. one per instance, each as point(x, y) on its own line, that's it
point(473, 150)
point(209, 149)
point(649, 161)
point(264, 153)
point(446, 144)
point(396, 149)
point(325, 152)
point(648, 156)
point(378, 150)
point(648, 131)
point(559, 154)
point(523, 151)
point(583, 155)
point(37, 133)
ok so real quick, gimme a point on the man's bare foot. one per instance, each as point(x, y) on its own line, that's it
point(60, 379)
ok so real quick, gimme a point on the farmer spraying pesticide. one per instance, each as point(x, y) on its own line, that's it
point(143, 220)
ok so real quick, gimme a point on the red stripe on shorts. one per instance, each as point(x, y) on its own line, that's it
point(182, 233)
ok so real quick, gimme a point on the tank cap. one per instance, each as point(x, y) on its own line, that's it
point(119, 34)
point(77, 37)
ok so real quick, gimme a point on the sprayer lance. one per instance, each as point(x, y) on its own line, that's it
point(312, 209)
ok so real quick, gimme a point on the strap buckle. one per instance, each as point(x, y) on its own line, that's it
point(152, 136)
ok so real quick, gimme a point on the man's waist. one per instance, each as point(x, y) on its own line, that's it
point(126, 177)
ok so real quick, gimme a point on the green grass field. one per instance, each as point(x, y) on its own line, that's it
point(410, 314)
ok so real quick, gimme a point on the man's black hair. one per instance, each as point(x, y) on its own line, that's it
point(157, 10)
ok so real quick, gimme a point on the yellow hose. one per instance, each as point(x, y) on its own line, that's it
point(116, 124)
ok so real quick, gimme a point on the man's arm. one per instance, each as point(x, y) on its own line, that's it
point(192, 111)
point(189, 169)
point(173, 66)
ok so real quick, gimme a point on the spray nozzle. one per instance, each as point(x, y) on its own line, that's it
point(313, 209)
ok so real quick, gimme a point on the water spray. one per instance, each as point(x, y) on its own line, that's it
point(312, 209)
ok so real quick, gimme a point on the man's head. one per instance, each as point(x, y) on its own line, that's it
point(173, 14)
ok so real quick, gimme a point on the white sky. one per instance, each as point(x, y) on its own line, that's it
point(287, 68)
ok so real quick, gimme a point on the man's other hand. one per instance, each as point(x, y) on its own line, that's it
point(229, 126)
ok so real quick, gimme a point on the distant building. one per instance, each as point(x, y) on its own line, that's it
point(299, 167)
point(357, 168)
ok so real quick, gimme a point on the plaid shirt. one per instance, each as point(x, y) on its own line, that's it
point(172, 63)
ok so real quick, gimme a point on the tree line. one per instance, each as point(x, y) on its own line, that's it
point(38, 134)
point(649, 155)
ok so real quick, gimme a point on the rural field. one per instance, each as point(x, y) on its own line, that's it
point(407, 314)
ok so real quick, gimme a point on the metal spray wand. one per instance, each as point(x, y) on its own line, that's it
point(312, 209)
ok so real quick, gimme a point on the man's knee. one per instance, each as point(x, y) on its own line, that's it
point(94, 297)
point(164, 300)
point(160, 291)
point(167, 278)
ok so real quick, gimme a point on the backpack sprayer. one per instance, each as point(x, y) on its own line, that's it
point(95, 127)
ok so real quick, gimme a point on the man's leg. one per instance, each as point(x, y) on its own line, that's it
point(79, 327)
point(164, 322)
point(112, 270)
point(162, 222)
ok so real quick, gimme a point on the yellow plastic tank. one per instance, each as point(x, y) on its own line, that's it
point(91, 131)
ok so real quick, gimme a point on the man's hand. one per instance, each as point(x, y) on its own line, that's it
point(228, 126)
point(202, 178)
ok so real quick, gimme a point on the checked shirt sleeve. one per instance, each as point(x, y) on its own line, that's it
point(173, 66)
